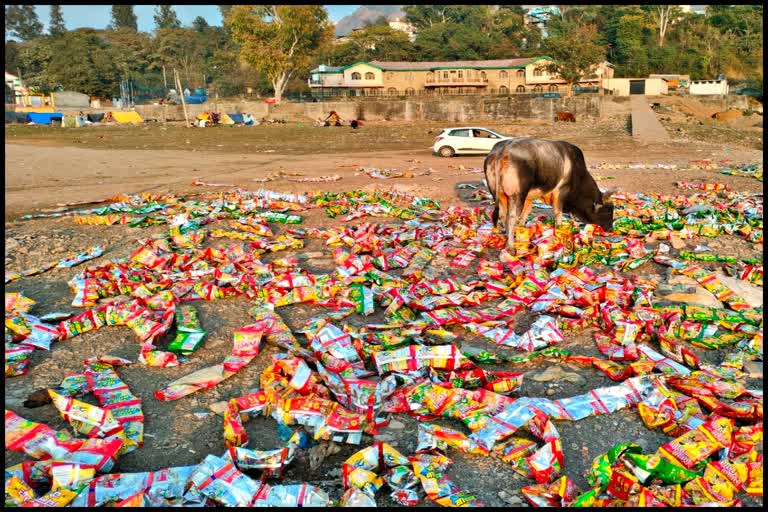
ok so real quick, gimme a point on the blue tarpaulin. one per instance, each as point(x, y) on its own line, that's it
point(43, 117)
point(194, 100)
point(237, 118)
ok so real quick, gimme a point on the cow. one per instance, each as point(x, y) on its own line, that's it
point(565, 116)
point(520, 170)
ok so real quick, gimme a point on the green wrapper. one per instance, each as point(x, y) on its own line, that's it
point(187, 319)
point(600, 474)
point(661, 468)
point(363, 298)
point(281, 218)
point(186, 342)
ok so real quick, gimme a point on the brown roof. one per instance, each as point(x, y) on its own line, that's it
point(499, 63)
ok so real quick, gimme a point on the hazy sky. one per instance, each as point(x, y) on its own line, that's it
point(98, 16)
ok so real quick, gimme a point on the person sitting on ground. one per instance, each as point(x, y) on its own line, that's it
point(354, 124)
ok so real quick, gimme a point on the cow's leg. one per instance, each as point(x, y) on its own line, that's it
point(515, 208)
point(526, 210)
point(502, 206)
point(495, 214)
point(557, 205)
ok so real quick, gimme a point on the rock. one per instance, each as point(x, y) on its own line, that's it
point(219, 407)
point(747, 291)
point(510, 499)
point(396, 425)
point(384, 437)
point(551, 392)
point(754, 369)
point(557, 374)
point(700, 297)
point(677, 243)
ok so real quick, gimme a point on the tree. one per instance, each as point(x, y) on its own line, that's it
point(123, 17)
point(279, 41)
point(21, 22)
point(631, 49)
point(82, 61)
point(165, 17)
point(376, 42)
point(575, 50)
point(199, 24)
point(664, 16)
point(56, 26)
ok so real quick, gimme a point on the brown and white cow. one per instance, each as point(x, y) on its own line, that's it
point(523, 169)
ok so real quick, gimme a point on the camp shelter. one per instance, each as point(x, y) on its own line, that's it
point(236, 118)
point(248, 119)
point(225, 119)
point(95, 118)
point(15, 117)
point(127, 117)
point(44, 117)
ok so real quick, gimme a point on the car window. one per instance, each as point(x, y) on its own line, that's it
point(460, 133)
point(485, 134)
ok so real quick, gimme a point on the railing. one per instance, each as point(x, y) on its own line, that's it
point(448, 81)
point(426, 93)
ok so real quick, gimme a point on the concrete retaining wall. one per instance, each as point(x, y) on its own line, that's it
point(458, 109)
point(176, 112)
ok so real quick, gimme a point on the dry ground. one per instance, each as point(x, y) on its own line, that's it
point(45, 168)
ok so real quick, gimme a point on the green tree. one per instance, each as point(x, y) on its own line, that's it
point(181, 49)
point(428, 16)
point(199, 24)
point(123, 17)
point(280, 41)
point(56, 26)
point(575, 49)
point(663, 18)
point(630, 47)
point(21, 22)
point(34, 61)
point(12, 56)
point(165, 17)
point(376, 42)
point(82, 61)
point(452, 41)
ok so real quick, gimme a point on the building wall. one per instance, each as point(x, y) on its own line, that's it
point(708, 87)
point(620, 86)
point(459, 109)
point(377, 80)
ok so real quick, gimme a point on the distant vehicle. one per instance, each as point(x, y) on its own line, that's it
point(466, 140)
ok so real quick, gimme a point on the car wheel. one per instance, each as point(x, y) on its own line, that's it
point(446, 151)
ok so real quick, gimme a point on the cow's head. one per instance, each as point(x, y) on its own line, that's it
point(602, 212)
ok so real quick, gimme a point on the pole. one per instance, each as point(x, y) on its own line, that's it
point(181, 93)
point(165, 82)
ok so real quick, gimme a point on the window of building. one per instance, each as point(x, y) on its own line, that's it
point(392, 91)
point(503, 90)
point(445, 75)
point(520, 88)
point(461, 74)
point(409, 91)
point(355, 76)
point(503, 75)
point(521, 73)
point(482, 75)
point(537, 72)
point(538, 89)
point(553, 88)
point(370, 76)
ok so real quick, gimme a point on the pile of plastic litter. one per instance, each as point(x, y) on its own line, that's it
point(341, 383)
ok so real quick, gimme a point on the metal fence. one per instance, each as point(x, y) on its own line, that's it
point(342, 94)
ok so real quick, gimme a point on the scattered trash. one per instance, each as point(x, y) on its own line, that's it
point(341, 383)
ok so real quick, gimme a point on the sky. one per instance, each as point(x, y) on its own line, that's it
point(98, 16)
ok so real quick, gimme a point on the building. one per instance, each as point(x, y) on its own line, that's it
point(635, 86)
point(674, 81)
point(502, 76)
point(700, 87)
point(15, 84)
point(409, 29)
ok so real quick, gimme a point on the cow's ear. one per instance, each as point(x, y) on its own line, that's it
point(607, 194)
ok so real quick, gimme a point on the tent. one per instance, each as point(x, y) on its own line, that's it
point(248, 119)
point(95, 118)
point(225, 119)
point(127, 117)
point(43, 117)
point(195, 100)
point(236, 118)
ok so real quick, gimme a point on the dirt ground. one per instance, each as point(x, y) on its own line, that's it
point(45, 169)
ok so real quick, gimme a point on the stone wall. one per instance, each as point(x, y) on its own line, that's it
point(165, 113)
point(461, 109)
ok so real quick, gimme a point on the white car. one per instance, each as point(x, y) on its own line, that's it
point(465, 140)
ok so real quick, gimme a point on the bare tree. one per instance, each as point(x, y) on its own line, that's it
point(665, 16)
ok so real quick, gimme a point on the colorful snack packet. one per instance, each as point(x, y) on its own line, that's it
point(55, 498)
point(17, 492)
point(560, 493)
point(189, 333)
point(220, 481)
point(295, 495)
point(696, 445)
point(430, 469)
